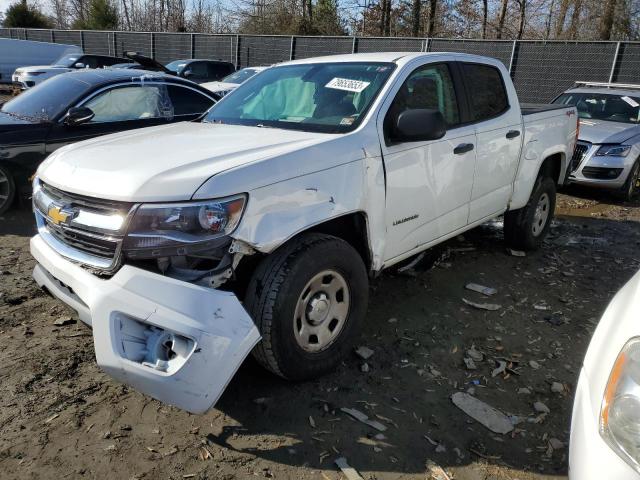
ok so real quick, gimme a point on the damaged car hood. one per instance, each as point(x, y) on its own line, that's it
point(166, 163)
point(599, 131)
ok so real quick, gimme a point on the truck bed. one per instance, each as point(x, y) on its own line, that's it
point(531, 108)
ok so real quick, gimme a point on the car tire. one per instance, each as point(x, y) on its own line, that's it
point(314, 286)
point(631, 187)
point(7, 189)
point(527, 227)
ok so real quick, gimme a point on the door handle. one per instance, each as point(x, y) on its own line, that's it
point(513, 134)
point(463, 148)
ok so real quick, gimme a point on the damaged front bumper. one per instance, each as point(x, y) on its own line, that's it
point(177, 342)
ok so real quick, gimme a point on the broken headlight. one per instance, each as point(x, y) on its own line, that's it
point(620, 411)
point(159, 230)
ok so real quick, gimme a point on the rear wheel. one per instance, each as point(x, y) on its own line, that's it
point(308, 300)
point(7, 189)
point(526, 227)
point(631, 187)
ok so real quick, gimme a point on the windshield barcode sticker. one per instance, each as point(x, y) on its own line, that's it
point(349, 85)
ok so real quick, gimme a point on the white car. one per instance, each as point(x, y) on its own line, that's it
point(605, 426)
point(27, 77)
point(231, 82)
point(182, 245)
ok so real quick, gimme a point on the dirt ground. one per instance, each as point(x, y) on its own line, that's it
point(61, 417)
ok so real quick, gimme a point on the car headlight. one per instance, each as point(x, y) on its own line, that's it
point(620, 411)
point(613, 150)
point(158, 230)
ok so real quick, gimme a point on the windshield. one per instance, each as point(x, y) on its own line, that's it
point(604, 106)
point(51, 98)
point(240, 76)
point(176, 65)
point(66, 61)
point(325, 97)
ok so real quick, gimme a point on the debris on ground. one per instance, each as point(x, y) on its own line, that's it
point(361, 417)
point(517, 253)
point(364, 352)
point(474, 287)
point(482, 306)
point(493, 419)
point(541, 407)
point(474, 354)
point(348, 471)
point(436, 472)
point(557, 387)
point(62, 321)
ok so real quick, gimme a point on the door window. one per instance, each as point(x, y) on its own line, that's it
point(89, 61)
point(131, 103)
point(487, 94)
point(198, 70)
point(188, 102)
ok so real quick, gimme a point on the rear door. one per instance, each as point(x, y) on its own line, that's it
point(498, 130)
point(428, 183)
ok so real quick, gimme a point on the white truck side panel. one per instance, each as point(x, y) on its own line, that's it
point(546, 134)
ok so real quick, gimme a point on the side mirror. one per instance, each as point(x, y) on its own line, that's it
point(79, 65)
point(421, 124)
point(78, 116)
point(187, 74)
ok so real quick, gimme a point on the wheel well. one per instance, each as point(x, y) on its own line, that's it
point(352, 228)
point(551, 167)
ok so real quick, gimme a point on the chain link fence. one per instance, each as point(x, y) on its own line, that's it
point(540, 69)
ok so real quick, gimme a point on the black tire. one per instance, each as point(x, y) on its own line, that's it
point(272, 299)
point(522, 229)
point(7, 189)
point(631, 187)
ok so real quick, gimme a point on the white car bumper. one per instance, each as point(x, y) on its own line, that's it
point(590, 458)
point(177, 342)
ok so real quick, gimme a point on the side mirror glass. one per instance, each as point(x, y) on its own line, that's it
point(78, 116)
point(419, 125)
point(79, 65)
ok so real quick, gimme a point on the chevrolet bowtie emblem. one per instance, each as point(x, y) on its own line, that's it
point(56, 215)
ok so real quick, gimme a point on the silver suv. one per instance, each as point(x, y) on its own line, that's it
point(607, 154)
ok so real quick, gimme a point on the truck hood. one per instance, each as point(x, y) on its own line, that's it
point(166, 163)
point(600, 131)
point(42, 68)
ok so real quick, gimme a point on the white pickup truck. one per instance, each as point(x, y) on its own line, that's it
point(185, 245)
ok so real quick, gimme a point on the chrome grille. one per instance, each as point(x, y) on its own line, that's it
point(83, 229)
point(578, 154)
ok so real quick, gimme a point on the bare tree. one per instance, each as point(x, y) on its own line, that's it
point(607, 19)
point(521, 18)
point(415, 18)
point(433, 10)
point(547, 32)
point(562, 15)
point(501, 18)
point(575, 19)
point(485, 12)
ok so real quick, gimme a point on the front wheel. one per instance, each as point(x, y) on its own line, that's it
point(7, 189)
point(308, 300)
point(631, 187)
point(526, 227)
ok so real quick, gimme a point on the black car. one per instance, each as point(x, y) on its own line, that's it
point(196, 70)
point(84, 104)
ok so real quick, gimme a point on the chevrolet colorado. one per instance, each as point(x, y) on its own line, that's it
point(185, 245)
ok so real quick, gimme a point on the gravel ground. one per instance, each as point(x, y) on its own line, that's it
point(61, 417)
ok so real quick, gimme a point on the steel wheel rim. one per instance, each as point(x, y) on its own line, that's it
point(321, 311)
point(541, 214)
point(4, 188)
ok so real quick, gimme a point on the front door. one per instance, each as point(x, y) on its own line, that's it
point(117, 109)
point(428, 183)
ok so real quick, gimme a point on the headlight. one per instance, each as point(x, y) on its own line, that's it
point(613, 150)
point(620, 412)
point(181, 228)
